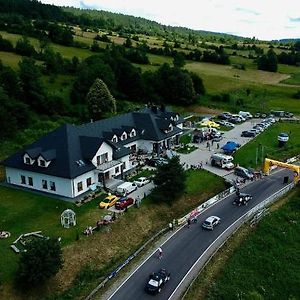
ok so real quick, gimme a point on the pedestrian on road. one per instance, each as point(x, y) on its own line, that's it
point(218, 145)
point(189, 222)
point(207, 144)
point(160, 253)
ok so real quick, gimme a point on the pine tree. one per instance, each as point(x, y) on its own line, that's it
point(100, 100)
point(170, 181)
point(42, 260)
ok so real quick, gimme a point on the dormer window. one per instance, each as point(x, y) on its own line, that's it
point(123, 136)
point(27, 159)
point(132, 133)
point(114, 139)
point(170, 128)
point(42, 162)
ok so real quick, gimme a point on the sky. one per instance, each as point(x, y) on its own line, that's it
point(263, 19)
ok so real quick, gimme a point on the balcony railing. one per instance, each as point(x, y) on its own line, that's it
point(108, 165)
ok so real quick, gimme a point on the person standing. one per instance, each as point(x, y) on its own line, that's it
point(188, 222)
point(160, 252)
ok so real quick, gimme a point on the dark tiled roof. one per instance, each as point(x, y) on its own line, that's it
point(34, 152)
point(49, 154)
point(65, 141)
point(70, 148)
point(89, 146)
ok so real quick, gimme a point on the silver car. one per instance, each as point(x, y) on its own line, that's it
point(211, 222)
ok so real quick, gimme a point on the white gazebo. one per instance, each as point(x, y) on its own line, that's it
point(68, 218)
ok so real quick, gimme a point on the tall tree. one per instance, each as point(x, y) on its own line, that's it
point(33, 90)
point(100, 100)
point(42, 260)
point(170, 181)
point(178, 60)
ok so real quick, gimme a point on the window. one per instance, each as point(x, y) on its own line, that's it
point(124, 165)
point(132, 133)
point(52, 186)
point(27, 161)
point(42, 163)
point(117, 170)
point(123, 136)
point(115, 139)
point(98, 160)
point(44, 184)
point(30, 181)
point(79, 186)
point(89, 181)
point(23, 179)
point(133, 149)
point(104, 158)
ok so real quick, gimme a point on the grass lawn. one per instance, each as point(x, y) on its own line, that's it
point(294, 79)
point(266, 265)
point(185, 138)
point(246, 156)
point(22, 211)
point(142, 173)
point(65, 51)
point(10, 59)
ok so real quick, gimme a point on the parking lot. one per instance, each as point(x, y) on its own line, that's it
point(203, 153)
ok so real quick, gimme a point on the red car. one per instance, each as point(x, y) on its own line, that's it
point(124, 202)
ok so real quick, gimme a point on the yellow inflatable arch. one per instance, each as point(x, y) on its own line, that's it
point(270, 162)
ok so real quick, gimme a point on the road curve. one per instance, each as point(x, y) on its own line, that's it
point(183, 249)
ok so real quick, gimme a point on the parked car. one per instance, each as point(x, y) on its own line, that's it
point(141, 181)
point(154, 162)
point(108, 201)
point(255, 131)
point(209, 123)
point(124, 202)
point(157, 281)
point(211, 222)
point(223, 161)
point(245, 114)
point(126, 188)
point(224, 115)
point(248, 133)
point(242, 198)
point(288, 114)
point(243, 172)
point(229, 124)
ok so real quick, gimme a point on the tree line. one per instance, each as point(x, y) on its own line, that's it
point(23, 92)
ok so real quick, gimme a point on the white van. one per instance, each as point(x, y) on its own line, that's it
point(245, 114)
point(223, 161)
point(126, 188)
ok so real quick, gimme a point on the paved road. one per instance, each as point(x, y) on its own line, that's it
point(186, 246)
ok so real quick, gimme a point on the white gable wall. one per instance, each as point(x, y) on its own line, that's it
point(104, 148)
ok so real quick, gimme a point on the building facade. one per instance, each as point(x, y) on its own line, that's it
point(70, 160)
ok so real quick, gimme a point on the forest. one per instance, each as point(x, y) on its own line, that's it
point(25, 97)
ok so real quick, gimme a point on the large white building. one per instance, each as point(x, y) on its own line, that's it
point(70, 159)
